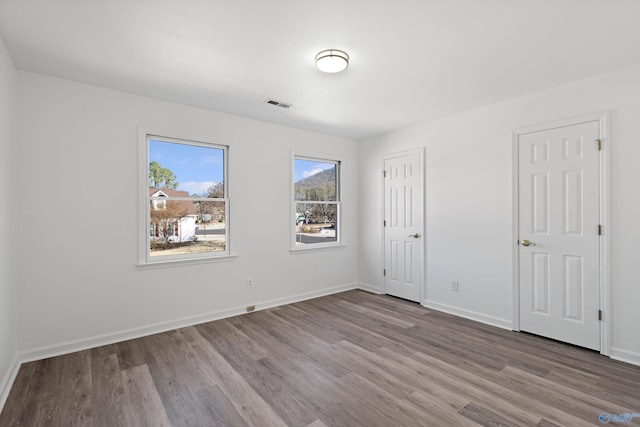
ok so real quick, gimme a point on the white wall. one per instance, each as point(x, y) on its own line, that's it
point(76, 271)
point(77, 274)
point(8, 213)
point(468, 200)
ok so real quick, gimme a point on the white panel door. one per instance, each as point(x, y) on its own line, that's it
point(559, 209)
point(403, 216)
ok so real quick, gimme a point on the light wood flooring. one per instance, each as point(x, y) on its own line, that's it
point(350, 359)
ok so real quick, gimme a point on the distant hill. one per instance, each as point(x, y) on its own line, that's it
point(324, 177)
point(322, 181)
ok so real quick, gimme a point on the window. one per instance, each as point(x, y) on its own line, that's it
point(316, 201)
point(186, 204)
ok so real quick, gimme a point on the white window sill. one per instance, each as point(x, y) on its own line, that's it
point(185, 261)
point(314, 248)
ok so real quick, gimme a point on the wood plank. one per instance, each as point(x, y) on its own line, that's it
point(485, 416)
point(388, 409)
point(107, 389)
point(69, 401)
point(438, 410)
point(378, 315)
point(251, 407)
point(223, 329)
point(338, 404)
point(176, 362)
point(317, 423)
point(22, 402)
point(276, 383)
point(545, 423)
point(143, 405)
point(467, 386)
point(322, 323)
point(297, 342)
point(572, 401)
point(217, 409)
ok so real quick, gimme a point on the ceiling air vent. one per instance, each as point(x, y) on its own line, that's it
point(278, 103)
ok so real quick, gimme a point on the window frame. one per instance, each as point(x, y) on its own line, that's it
point(323, 158)
point(145, 135)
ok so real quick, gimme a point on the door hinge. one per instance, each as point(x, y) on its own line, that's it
point(384, 223)
point(384, 272)
point(599, 144)
point(384, 174)
point(599, 230)
point(600, 315)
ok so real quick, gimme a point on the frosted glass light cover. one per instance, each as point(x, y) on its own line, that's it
point(332, 61)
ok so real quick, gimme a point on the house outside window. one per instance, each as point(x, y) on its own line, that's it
point(186, 203)
point(316, 203)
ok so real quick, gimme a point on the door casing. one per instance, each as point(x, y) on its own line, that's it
point(603, 119)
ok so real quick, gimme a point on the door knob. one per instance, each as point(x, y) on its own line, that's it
point(414, 235)
point(527, 243)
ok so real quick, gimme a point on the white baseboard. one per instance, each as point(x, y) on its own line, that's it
point(9, 378)
point(127, 334)
point(625, 356)
point(469, 314)
point(370, 288)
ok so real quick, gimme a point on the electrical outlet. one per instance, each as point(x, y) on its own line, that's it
point(249, 283)
point(455, 285)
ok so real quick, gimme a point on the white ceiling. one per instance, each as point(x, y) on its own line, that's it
point(411, 60)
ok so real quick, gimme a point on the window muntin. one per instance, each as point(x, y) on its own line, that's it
point(316, 194)
point(187, 202)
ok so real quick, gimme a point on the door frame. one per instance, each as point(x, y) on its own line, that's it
point(421, 152)
point(603, 118)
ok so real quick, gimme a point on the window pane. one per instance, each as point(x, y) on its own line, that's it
point(175, 233)
point(316, 223)
point(194, 169)
point(189, 171)
point(315, 180)
point(210, 212)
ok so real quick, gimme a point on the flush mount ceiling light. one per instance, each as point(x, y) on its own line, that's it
point(332, 61)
